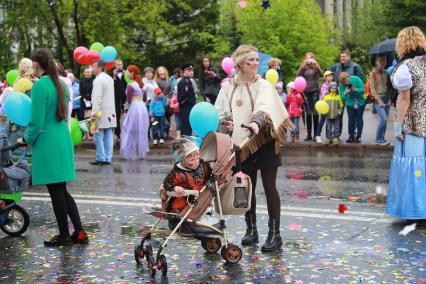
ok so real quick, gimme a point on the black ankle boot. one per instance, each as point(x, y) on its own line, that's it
point(251, 237)
point(273, 242)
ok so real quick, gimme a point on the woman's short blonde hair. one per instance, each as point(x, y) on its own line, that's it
point(343, 76)
point(241, 53)
point(25, 68)
point(274, 61)
point(409, 39)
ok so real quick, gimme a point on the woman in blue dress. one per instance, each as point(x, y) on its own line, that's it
point(407, 181)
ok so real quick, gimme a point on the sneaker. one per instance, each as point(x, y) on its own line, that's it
point(318, 139)
point(382, 142)
point(357, 140)
point(335, 141)
point(328, 141)
point(350, 140)
point(58, 241)
point(161, 141)
point(155, 142)
point(79, 237)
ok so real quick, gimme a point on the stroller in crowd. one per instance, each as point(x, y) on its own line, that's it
point(231, 192)
point(14, 179)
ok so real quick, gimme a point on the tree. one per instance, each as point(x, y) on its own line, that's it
point(288, 29)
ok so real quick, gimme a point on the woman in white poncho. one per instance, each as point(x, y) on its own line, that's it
point(250, 100)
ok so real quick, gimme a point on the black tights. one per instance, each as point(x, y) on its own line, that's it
point(63, 205)
point(269, 178)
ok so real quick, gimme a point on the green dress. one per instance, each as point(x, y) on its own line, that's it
point(52, 148)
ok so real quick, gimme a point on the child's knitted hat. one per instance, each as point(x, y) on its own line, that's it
point(290, 85)
point(183, 147)
point(332, 85)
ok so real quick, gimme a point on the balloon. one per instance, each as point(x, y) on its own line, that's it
point(76, 133)
point(11, 76)
point(390, 69)
point(109, 65)
point(126, 77)
point(271, 76)
point(242, 4)
point(80, 54)
point(108, 53)
point(322, 107)
point(197, 140)
point(96, 46)
point(22, 85)
point(300, 84)
point(18, 108)
point(92, 56)
point(203, 119)
point(227, 65)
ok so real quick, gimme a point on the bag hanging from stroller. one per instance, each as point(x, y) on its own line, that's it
point(13, 178)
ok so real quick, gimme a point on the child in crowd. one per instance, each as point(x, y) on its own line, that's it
point(157, 113)
point(174, 105)
point(189, 172)
point(328, 78)
point(335, 104)
point(279, 88)
point(294, 102)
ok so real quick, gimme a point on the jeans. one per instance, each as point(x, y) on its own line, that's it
point(295, 121)
point(320, 125)
point(383, 113)
point(333, 128)
point(104, 144)
point(177, 120)
point(158, 129)
point(311, 113)
point(355, 121)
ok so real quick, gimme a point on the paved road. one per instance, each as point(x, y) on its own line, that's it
point(320, 245)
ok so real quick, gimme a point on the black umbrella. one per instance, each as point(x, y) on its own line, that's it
point(383, 47)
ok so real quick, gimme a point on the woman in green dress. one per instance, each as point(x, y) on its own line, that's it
point(53, 153)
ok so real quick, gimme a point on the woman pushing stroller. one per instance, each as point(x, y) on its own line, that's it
point(250, 100)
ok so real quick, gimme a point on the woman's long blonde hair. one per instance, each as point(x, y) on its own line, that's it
point(409, 40)
point(157, 75)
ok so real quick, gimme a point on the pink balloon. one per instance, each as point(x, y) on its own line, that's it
point(242, 4)
point(300, 84)
point(79, 54)
point(227, 65)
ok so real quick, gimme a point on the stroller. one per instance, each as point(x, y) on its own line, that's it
point(230, 192)
point(14, 179)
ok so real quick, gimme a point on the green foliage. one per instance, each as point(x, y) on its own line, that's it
point(287, 30)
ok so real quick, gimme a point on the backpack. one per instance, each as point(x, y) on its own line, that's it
point(369, 98)
point(393, 93)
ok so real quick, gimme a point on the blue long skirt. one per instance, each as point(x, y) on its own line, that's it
point(407, 180)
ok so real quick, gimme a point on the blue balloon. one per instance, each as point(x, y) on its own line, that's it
point(18, 108)
point(394, 62)
point(390, 69)
point(108, 53)
point(203, 119)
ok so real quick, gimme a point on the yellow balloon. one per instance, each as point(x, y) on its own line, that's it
point(271, 76)
point(22, 85)
point(322, 107)
point(99, 114)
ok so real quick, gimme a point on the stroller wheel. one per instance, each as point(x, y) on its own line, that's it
point(232, 254)
point(211, 245)
point(150, 260)
point(17, 221)
point(162, 264)
point(139, 255)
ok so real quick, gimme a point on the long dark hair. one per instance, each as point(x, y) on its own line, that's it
point(45, 59)
point(202, 64)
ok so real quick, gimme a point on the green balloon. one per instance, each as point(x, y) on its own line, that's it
point(77, 137)
point(11, 76)
point(126, 77)
point(97, 46)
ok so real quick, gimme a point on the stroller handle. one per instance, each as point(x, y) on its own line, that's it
point(12, 147)
point(188, 192)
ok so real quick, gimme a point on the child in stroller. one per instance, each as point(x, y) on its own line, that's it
point(199, 178)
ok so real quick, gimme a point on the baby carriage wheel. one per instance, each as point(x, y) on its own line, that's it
point(232, 253)
point(139, 255)
point(162, 264)
point(211, 245)
point(17, 221)
point(150, 260)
